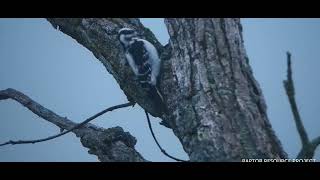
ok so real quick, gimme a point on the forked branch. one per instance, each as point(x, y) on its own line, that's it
point(308, 148)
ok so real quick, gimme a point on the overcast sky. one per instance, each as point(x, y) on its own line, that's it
point(60, 74)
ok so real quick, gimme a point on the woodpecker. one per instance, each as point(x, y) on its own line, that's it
point(143, 59)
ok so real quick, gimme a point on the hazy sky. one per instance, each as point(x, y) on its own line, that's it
point(60, 74)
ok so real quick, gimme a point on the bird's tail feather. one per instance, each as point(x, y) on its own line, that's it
point(155, 94)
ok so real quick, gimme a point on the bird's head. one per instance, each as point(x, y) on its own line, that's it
point(126, 36)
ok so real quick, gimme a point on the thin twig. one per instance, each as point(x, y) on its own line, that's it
point(10, 93)
point(155, 139)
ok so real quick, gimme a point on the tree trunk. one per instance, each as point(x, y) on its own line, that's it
point(215, 106)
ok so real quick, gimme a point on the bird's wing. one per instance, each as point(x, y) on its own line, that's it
point(132, 63)
point(139, 52)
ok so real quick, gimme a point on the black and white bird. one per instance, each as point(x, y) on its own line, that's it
point(144, 61)
point(142, 57)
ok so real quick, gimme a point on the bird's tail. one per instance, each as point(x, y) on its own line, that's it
point(156, 95)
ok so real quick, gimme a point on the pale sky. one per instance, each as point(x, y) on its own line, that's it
point(62, 75)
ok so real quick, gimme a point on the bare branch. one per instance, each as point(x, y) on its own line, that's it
point(289, 87)
point(108, 144)
point(155, 139)
point(70, 130)
point(308, 148)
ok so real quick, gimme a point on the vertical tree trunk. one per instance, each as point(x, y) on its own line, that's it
point(217, 109)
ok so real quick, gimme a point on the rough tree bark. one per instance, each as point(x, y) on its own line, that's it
point(216, 107)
